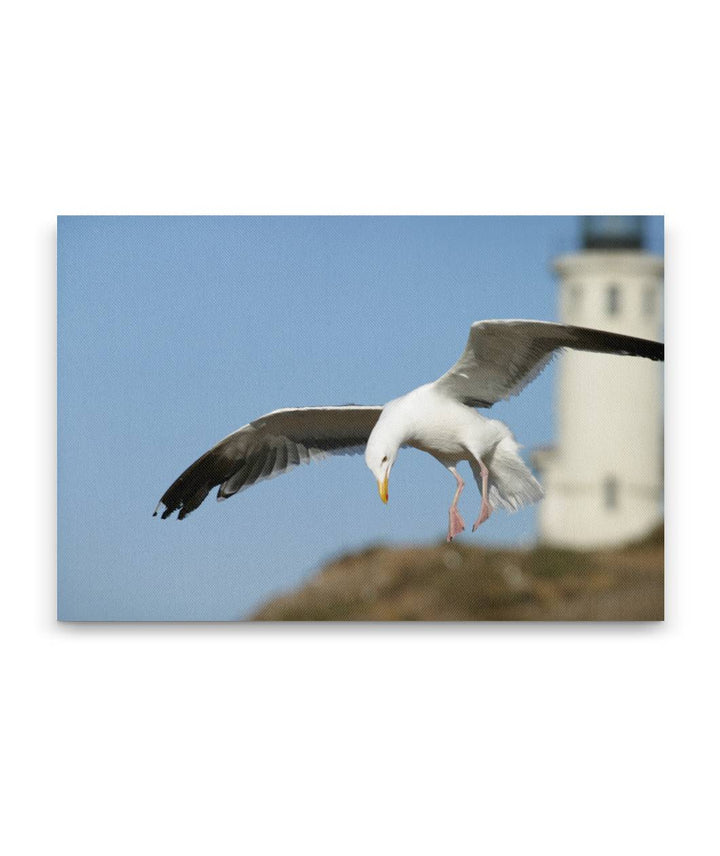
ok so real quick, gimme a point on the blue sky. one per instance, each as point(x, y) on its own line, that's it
point(174, 331)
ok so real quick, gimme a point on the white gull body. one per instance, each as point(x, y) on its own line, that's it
point(430, 420)
point(440, 418)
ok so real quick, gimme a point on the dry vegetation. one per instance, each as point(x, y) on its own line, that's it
point(455, 582)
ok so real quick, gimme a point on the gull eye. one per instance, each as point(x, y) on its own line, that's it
point(384, 460)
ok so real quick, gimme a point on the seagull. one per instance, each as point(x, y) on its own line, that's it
point(440, 418)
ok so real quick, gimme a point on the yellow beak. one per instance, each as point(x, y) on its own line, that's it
point(383, 488)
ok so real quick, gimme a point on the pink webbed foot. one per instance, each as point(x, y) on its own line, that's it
point(457, 524)
point(484, 514)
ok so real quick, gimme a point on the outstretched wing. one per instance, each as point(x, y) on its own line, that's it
point(502, 357)
point(267, 447)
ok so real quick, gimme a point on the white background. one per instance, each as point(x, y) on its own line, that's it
point(358, 739)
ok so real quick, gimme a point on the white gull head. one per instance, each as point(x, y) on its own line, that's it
point(382, 448)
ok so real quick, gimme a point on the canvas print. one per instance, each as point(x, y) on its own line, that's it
point(478, 401)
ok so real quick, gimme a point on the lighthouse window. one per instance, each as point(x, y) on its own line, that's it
point(612, 300)
point(610, 493)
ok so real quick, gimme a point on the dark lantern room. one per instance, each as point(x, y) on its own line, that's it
point(612, 232)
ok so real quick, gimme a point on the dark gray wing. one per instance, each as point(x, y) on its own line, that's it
point(267, 447)
point(502, 357)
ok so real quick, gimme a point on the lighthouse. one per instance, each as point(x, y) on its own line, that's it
point(603, 479)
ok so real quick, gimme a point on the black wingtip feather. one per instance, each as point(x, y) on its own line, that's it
point(189, 490)
point(603, 341)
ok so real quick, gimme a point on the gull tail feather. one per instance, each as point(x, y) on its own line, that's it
point(511, 484)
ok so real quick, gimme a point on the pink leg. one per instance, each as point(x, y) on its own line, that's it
point(485, 507)
point(457, 524)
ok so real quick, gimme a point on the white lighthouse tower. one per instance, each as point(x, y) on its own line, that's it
point(603, 479)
